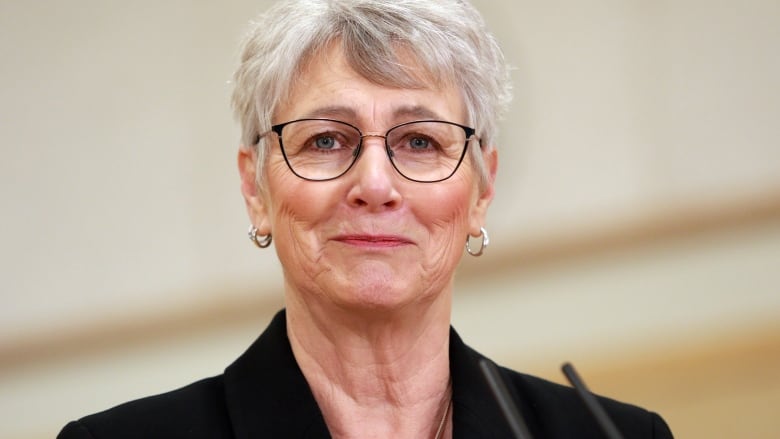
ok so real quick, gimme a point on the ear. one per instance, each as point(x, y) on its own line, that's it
point(255, 198)
point(486, 192)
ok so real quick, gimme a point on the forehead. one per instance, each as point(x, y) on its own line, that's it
point(328, 86)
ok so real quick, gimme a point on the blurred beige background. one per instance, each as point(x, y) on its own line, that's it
point(636, 230)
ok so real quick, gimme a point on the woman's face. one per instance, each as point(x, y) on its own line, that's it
point(371, 238)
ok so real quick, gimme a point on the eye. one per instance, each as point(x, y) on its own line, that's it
point(419, 143)
point(325, 142)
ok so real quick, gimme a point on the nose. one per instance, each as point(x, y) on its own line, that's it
point(374, 180)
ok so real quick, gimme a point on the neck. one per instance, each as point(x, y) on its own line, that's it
point(375, 373)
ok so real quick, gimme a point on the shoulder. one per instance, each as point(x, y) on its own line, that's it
point(549, 409)
point(197, 410)
point(558, 409)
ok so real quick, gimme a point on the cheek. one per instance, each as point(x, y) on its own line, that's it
point(446, 208)
point(298, 212)
point(292, 200)
point(444, 212)
point(297, 208)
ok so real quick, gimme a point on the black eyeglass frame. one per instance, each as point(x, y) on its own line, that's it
point(277, 129)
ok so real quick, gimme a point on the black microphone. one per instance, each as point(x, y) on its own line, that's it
point(512, 414)
point(591, 402)
point(504, 399)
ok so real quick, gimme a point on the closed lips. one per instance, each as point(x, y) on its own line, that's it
point(374, 240)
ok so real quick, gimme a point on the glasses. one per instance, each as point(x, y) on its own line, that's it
point(425, 151)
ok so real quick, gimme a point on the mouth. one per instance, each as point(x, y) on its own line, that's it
point(373, 241)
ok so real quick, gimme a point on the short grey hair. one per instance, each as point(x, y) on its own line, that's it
point(446, 38)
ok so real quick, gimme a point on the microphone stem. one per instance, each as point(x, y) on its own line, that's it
point(591, 402)
point(508, 408)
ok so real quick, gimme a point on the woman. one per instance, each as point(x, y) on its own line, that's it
point(367, 159)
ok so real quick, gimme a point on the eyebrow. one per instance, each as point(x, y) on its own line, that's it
point(412, 112)
point(332, 111)
point(416, 111)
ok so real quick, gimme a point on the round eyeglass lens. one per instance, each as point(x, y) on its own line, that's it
point(427, 151)
point(319, 149)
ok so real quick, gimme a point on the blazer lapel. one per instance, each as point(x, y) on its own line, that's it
point(476, 413)
point(267, 394)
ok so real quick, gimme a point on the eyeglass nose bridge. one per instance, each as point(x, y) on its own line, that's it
point(377, 135)
point(381, 136)
point(359, 149)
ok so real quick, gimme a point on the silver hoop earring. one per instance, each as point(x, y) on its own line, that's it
point(485, 241)
point(262, 241)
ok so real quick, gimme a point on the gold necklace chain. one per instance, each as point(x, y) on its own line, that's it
point(443, 421)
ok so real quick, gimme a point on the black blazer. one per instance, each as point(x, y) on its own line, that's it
point(264, 394)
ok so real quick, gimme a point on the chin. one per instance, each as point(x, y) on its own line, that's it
point(372, 286)
point(376, 297)
point(383, 294)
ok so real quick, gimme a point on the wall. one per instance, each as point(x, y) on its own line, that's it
point(636, 220)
